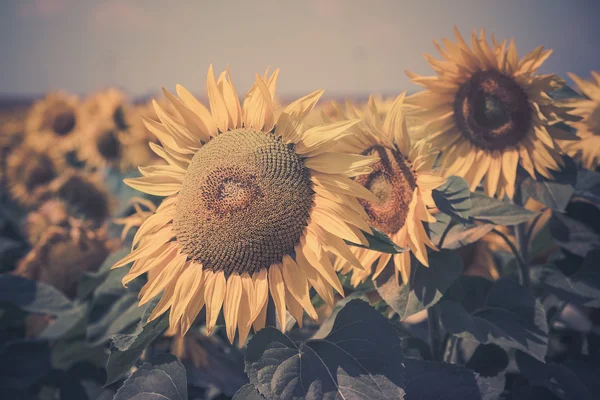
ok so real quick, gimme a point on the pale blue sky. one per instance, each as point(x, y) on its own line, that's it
point(346, 47)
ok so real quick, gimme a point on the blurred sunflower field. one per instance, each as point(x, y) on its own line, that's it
point(209, 243)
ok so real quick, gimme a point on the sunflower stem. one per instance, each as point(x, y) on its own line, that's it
point(523, 269)
point(435, 336)
point(522, 239)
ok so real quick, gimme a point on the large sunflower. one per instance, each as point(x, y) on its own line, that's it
point(487, 111)
point(588, 127)
point(252, 204)
point(402, 181)
point(56, 122)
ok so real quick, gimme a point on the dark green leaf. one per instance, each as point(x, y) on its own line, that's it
point(426, 286)
point(453, 234)
point(554, 193)
point(510, 316)
point(163, 378)
point(565, 92)
point(434, 381)
point(247, 392)
point(588, 186)
point(360, 358)
point(32, 296)
point(559, 379)
point(488, 209)
point(453, 198)
point(125, 350)
point(91, 280)
point(379, 241)
point(581, 288)
point(488, 360)
point(573, 235)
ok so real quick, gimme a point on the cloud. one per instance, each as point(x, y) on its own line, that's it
point(119, 14)
point(42, 8)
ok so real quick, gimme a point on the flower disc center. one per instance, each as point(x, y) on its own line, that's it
point(63, 123)
point(108, 145)
point(244, 202)
point(492, 110)
point(393, 182)
point(38, 171)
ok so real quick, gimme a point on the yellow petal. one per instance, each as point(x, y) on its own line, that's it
point(277, 289)
point(214, 294)
point(231, 306)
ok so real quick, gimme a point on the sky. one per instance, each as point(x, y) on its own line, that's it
point(347, 47)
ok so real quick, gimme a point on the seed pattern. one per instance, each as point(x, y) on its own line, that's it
point(492, 110)
point(244, 203)
point(393, 182)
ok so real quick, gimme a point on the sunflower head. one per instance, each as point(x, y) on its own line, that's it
point(56, 121)
point(59, 259)
point(29, 172)
point(253, 202)
point(402, 181)
point(103, 146)
point(587, 109)
point(487, 111)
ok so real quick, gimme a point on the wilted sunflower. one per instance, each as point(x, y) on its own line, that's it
point(402, 181)
point(251, 206)
point(56, 122)
point(588, 128)
point(488, 112)
point(29, 171)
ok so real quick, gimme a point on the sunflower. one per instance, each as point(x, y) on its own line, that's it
point(29, 172)
point(59, 258)
point(56, 122)
point(110, 105)
point(252, 204)
point(103, 147)
point(588, 127)
point(487, 111)
point(402, 181)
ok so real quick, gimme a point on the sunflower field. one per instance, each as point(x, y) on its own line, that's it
point(212, 244)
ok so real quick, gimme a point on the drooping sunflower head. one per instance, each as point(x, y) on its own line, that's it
point(588, 126)
point(252, 204)
point(56, 121)
point(29, 172)
point(84, 194)
point(487, 111)
point(401, 181)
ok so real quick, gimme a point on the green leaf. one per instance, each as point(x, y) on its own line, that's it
point(428, 380)
point(379, 241)
point(163, 378)
point(503, 313)
point(360, 358)
point(581, 288)
point(588, 186)
point(554, 193)
point(453, 198)
point(247, 392)
point(490, 210)
point(488, 360)
point(560, 380)
point(125, 350)
point(91, 280)
point(32, 296)
point(449, 234)
point(426, 287)
point(573, 235)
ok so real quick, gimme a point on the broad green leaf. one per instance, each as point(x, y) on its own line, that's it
point(581, 288)
point(126, 349)
point(449, 234)
point(559, 379)
point(426, 286)
point(163, 378)
point(428, 380)
point(32, 296)
point(490, 210)
point(588, 186)
point(503, 313)
point(360, 358)
point(379, 241)
point(554, 193)
point(573, 235)
point(453, 198)
point(247, 392)
point(488, 360)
